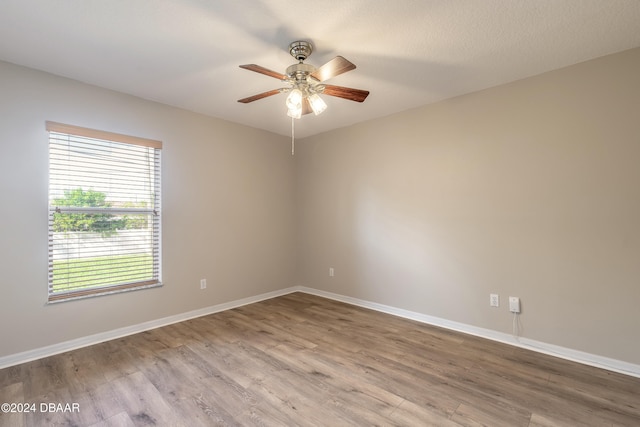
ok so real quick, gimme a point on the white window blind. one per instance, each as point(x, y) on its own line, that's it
point(104, 212)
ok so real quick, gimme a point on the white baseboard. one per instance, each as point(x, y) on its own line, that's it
point(38, 353)
point(541, 347)
point(529, 344)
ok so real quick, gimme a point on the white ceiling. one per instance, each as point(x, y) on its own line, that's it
point(408, 52)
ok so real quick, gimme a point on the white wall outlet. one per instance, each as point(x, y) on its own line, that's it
point(331, 272)
point(514, 304)
point(494, 300)
point(203, 283)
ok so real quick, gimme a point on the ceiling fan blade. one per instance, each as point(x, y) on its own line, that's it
point(259, 96)
point(351, 94)
point(262, 70)
point(335, 67)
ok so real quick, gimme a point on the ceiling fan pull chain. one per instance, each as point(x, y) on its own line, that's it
point(293, 140)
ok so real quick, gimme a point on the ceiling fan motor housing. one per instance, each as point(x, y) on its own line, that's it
point(300, 71)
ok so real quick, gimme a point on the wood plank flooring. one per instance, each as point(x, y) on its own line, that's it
point(302, 360)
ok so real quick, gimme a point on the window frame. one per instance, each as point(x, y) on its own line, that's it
point(154, 212)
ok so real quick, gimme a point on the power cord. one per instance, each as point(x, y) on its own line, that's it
point(516, 326)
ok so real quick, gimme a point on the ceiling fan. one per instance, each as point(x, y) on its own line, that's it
point(306, 82)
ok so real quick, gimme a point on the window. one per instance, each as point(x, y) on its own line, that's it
point(104, 212)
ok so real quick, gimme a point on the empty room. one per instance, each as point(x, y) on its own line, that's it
point(337, 213)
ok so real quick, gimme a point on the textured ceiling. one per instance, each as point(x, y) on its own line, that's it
point(408, 52)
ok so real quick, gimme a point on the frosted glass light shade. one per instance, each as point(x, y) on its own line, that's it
point(317, 104)
point(294, 100)
point(296, 113)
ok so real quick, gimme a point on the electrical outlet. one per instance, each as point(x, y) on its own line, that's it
point(514, 304)
point(203, 283)
point(331, 271)
point(494, 300)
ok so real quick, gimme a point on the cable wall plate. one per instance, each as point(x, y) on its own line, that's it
point(514, 304)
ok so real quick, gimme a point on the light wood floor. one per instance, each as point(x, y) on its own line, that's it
point(304, 360)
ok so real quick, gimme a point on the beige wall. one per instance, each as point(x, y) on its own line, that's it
point(530, 189)
point(228, 209)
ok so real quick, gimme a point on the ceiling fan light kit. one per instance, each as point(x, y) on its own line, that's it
point(305, 83)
